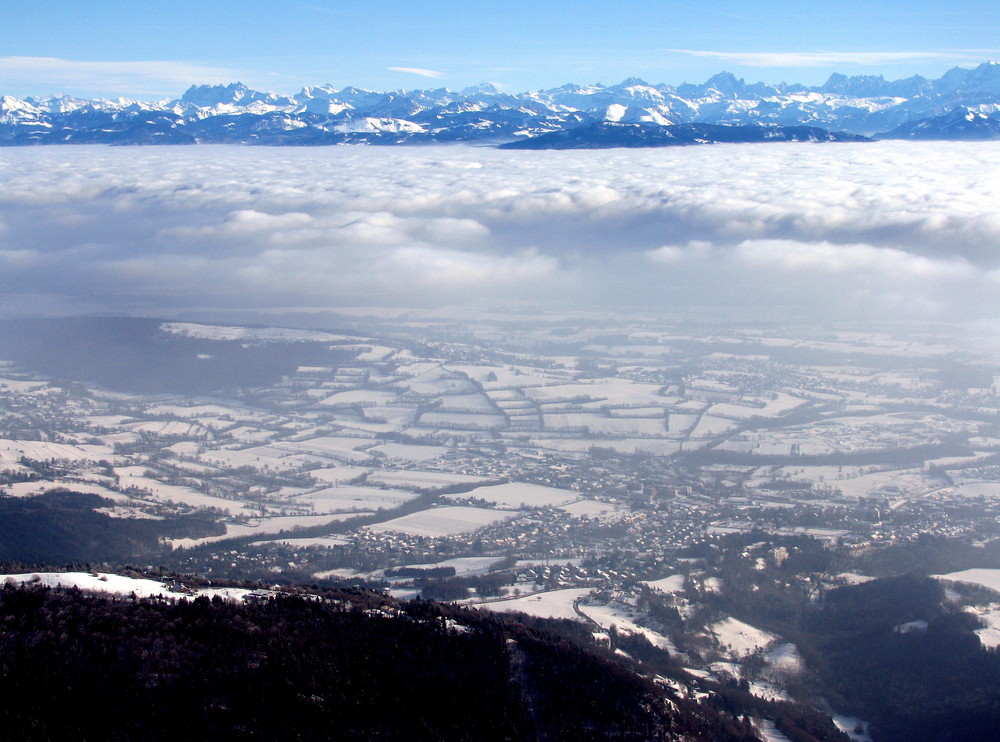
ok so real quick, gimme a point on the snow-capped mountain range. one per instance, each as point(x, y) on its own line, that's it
point(962, 104)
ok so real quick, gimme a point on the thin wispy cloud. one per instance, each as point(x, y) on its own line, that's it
point(131, 78)
point(832, 59)
point(417, 71)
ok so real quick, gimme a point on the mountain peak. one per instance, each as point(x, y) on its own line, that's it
point(234, 112)
point(483, 88)
point(726, 83)
point(213, 95)
point(858, 86)
point(985, 78)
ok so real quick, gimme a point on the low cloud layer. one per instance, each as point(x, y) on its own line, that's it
point(886, 230)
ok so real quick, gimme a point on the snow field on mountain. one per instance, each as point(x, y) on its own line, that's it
point(785, 659)
point(100, 582)
point(549, 604)
point(739, 639)
point(619, 616)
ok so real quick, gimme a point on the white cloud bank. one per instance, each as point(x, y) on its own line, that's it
point(885, 230)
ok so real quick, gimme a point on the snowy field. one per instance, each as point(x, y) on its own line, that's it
point(326, 445)
point(785, 659)
point(769, 732)
point(989, 578)
point(462, 420)
point(422, 481)
point(551, 604)
point(258, 457)
point(20, 386)
point(614, 615)
point(326, 542)
point(338, 474)
point(443, 522)
point(466, 403)
point(13, 450)
point(207, 411)
point(680, 423)
point(360, 397)
point(618, 427)
point(515, 495)
point(39, 487)
point(348, 498)
point(266, 526)
point(595, 509)
point(979, 489)
point(710, 426)
point(607, 393)
point(409, 452)
point(252, 334)
point(561, 561)
point(989, 635)
point(132, 477)
point(847, 724)
point(657, 447)
point(503, 377)
point(851, 480)
point(782, 404)
point(463, 566)
point(671, 584)
point(168, 429)
point(100, 582)
point(739, 639)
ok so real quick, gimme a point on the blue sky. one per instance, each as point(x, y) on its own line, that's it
point(147, 49)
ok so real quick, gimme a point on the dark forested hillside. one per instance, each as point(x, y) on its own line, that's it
point(63, 527)
point(895, 651)
point(350, 666)
point(927, 680)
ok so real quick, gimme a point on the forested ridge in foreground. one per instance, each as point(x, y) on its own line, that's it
point(352, 665)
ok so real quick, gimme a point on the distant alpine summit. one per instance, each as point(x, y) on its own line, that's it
point(962, 104)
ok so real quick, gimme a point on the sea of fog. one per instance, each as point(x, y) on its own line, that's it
point(889, 230)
